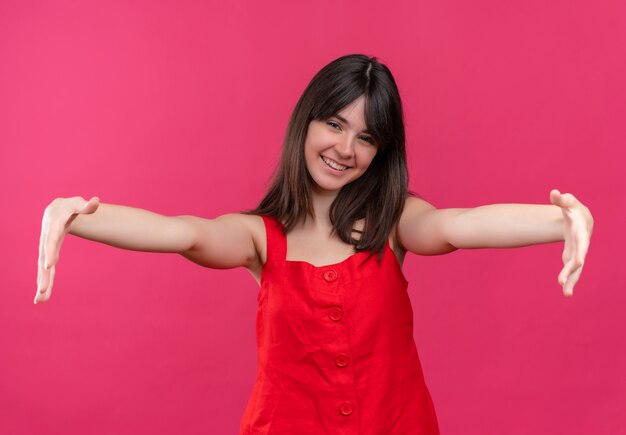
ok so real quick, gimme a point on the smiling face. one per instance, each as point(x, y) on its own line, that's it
point(339, 150)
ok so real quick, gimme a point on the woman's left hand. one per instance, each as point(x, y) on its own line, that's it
point(577, 229)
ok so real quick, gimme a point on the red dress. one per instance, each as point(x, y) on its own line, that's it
point(336, 353)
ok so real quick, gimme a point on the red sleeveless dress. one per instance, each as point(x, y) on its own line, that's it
point(336, 353)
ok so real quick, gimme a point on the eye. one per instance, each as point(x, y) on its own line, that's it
point(368, 139)
point(333, 124)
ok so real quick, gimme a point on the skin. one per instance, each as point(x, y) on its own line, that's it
point(238, 240)
point(343, 139)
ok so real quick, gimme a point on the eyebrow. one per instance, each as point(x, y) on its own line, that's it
point(345, 121)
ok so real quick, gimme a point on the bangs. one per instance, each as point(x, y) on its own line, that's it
point(378, 195)
point(377, 110)
point(329, 102)
point(377, 121)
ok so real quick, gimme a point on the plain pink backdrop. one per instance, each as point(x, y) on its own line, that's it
point(180, 108)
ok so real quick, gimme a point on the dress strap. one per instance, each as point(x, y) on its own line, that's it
point(276, 240)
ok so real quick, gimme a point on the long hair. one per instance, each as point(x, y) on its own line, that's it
point(378, 195)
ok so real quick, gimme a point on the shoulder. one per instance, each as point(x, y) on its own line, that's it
point(254, 226)
point(422, 227)
point(251, 222)
point(412, 206)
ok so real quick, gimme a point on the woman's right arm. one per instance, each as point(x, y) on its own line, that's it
point(224, 242)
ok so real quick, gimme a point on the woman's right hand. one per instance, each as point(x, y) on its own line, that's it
point(57, 219)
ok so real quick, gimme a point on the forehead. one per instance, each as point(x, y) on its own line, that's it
point(354, 114)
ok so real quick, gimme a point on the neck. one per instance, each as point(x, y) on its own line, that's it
point(322, 200)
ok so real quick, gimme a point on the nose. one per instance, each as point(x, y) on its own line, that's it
point(345, 146)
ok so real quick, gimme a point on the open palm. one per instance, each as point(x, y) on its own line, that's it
point(577, 229)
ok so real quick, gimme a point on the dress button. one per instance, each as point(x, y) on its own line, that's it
point(330, 275)
point(335, 313)
point(345, 408)
point(342, 360)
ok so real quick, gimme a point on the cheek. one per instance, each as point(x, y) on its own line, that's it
point(370, 157)
point(310, 143)
point(310, 155)
point(309, 150)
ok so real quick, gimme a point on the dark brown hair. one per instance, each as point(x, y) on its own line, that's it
point(378, 195)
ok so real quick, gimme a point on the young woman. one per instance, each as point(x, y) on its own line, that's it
point(336, 352)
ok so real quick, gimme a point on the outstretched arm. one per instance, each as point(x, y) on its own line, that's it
point(224, 242)
point(428, 231)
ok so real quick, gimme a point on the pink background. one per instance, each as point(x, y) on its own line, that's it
point(180, 108)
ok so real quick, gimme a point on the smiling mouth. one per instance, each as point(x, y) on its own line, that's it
point(334, 165)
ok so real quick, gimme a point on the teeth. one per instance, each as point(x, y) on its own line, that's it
point(334, 165)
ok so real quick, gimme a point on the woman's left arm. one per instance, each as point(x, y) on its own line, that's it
point(513, 225)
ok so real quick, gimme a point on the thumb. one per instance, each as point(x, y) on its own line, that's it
point(555, 197)
point(75, 209)
point(90, 206)
point(562, 200)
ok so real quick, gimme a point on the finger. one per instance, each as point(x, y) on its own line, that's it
point(91, 205)
point(568, 250)
point(51, 241)
point(568, 288)
point(42, 282)
point(45, 294)
point(570, 266)
point(86, 207)
point(41, 260)
point(568, 200)
point(567, 270)
point(58, 249)
point(570, 247)
point(48, 292)
point(42, 285)
point(582, 248)
point(563, 200)
point(563, 274)
point(42, 273)
point(45, 281)
point(554, 196)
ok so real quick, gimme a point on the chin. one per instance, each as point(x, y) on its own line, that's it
point(327, 187)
